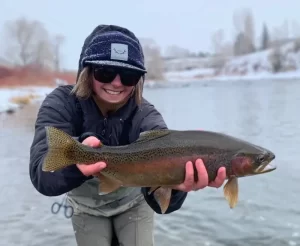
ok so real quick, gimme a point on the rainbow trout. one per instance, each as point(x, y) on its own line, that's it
point(157, 160)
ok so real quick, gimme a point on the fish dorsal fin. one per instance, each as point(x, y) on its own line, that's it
point(152, 134)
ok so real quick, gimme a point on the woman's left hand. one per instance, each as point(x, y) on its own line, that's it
point(189, 184)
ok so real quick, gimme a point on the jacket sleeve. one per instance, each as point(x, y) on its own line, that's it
point(54, 111)
point(154, 120)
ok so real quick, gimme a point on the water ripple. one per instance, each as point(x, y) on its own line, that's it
point(268, 211)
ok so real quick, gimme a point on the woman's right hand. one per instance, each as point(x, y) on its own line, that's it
point(95, 168)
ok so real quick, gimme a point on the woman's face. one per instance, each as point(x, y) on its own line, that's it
point(108, 86)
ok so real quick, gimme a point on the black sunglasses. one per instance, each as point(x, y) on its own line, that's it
point(106, 74)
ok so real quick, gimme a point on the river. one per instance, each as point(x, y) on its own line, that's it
point(268, 212)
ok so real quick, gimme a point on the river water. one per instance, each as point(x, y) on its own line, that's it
point(268, 211)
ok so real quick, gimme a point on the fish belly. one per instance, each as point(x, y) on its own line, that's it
point(148, 173)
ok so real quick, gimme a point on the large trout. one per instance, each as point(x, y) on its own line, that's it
point(157, 159)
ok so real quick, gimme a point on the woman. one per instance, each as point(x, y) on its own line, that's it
point(106, 105)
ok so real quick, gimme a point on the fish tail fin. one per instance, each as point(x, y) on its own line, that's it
point(62, 150)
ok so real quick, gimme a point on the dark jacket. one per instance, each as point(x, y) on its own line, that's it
point(76, 117)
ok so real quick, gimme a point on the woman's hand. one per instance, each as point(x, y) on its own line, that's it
point(190, 184)
point(91, 169)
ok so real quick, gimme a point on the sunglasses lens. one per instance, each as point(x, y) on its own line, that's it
point(105, 74)
point(108, 74)
point(130, 78)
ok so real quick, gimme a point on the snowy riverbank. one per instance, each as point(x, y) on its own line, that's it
point(186, 79)
point(12, 99)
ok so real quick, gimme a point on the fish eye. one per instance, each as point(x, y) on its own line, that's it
point(261, 158)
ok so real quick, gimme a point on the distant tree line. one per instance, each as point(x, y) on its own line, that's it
point(244, 40)
point(27, 43)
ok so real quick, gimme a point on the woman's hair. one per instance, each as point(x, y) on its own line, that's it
point(84, 86)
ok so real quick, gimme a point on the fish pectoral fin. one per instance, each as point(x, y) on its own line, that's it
point(163, 196)
point(231, 191)
point(107, 184)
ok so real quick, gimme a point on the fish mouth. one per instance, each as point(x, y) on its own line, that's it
point(266, 167)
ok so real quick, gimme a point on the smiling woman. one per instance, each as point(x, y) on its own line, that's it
point(106, 106)
point(110, 86)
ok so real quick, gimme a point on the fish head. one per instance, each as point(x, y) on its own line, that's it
point(253, 161)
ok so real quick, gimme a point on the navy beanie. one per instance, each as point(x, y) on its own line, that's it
point(112, 45)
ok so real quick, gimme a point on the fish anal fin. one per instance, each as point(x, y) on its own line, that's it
point(163, 196)
point(231, 191)
point(152, 189)
point(107, 184)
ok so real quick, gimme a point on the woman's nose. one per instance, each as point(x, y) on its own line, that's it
point(117, 81)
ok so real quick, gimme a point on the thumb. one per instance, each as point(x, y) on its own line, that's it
point(92, 141)
point(88, 170)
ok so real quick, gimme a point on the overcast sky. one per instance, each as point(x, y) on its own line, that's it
point(188, 23)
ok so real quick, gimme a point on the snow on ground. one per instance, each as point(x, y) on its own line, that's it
point(291, 75)
point(186, 79)
point(252, 63)
point(7, 94)
point(192, 73)
point(261, 61)
point(255, 66)
point(196, 75)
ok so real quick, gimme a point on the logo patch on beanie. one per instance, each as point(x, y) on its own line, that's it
point(119, 52)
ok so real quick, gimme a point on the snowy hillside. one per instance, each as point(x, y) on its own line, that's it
point(285, 60)
point(261, 62)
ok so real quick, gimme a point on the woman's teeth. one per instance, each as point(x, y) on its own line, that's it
point(113, 92)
